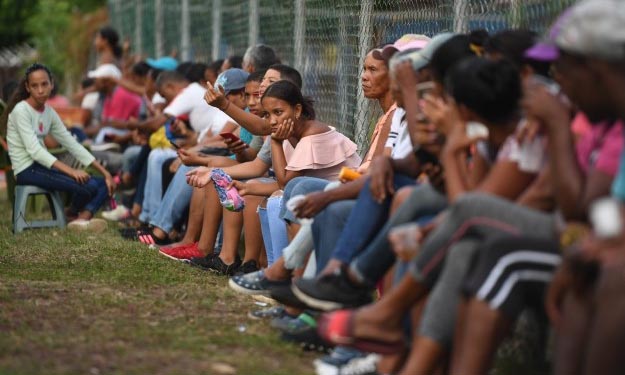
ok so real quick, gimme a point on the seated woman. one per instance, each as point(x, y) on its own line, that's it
point(291, 118)
point(205, 212)
point(26, 122)
point(491, 99)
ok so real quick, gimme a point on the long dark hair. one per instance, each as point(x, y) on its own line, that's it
point(112, 37)
point(20, 94)
point(491, 89)
point(290, 93)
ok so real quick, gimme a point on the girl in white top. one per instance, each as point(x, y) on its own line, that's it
point(25, 123)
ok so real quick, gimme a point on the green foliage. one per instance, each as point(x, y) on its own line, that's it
point(13, 16)
point(52, 26)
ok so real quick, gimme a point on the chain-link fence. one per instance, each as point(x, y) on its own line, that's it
point(326, 40)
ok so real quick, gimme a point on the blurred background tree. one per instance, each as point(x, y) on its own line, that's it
point(61, 31)
point(13, 16)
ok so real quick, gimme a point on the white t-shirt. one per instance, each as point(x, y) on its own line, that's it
point(399, 136)
point(158, 99)
point(90, 100)
point(203, 117)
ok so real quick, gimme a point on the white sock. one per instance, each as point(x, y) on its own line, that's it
point(296, 252)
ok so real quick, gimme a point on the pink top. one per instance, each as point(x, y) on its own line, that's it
point(378, 138)
point(601, 147)
point(121, 105)
point(321, 155)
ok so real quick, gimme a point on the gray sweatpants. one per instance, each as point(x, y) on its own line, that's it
point(446, 255)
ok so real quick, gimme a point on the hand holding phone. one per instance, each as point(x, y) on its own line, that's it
point(230, 137)
point(234, 143)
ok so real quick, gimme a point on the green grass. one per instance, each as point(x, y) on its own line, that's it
point(96, 304)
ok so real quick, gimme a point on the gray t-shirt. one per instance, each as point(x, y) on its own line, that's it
point(265, 152)
point(257, 142)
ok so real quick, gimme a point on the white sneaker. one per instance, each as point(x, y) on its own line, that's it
point(120, 212)
point(106, 147)
point(82, 225)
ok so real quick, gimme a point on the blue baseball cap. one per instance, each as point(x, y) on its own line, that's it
point(232, 79)
point(163, 63)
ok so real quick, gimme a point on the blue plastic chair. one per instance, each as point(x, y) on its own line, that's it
point(22, 192)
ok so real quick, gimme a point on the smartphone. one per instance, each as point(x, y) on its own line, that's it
point(174, 144)
point(229, 136)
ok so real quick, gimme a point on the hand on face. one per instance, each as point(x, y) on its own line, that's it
point(544, 108)
point(283, 130)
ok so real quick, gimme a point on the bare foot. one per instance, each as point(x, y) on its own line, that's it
point(277, 271)
point(379, 322)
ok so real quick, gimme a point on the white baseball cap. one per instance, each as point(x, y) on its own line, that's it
point(105, 71)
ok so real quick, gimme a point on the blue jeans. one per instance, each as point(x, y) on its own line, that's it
point(130, 156)
point(89, 196)
point(175, 203)
point(153, 192)
point(365, 220)
point(300, 186)
point(274, 232)
point(377, 258)
point(327, 229)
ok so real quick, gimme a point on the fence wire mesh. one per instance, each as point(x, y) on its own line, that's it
point(326, 40)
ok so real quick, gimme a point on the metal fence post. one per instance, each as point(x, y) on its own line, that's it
point(118, 12)
point(461, 16)
point(515, 6)
point(299, 35)
point(342, 72)
point(253, 23)
point(158, 28)
point(216, 28)
point(364, 43)
point(138, 27)
point(185, 31)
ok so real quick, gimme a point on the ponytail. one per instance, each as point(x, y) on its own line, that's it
point(19, 94)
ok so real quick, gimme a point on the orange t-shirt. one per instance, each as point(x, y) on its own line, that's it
point(378, 138)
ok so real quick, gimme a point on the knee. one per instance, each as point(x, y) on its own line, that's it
point(468, 205)
point(291, 187)
point(401, 196)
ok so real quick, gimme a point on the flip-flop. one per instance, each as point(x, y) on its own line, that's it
point(132, 233)
point(148, 238)
point(338, 328)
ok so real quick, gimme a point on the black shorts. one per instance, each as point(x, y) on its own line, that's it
point(512, 273)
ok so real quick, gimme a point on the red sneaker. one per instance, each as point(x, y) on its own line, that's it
point(183, 252)
point(175, 245)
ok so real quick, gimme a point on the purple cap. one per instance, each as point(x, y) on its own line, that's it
point(543, 51)
point(546, 49)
